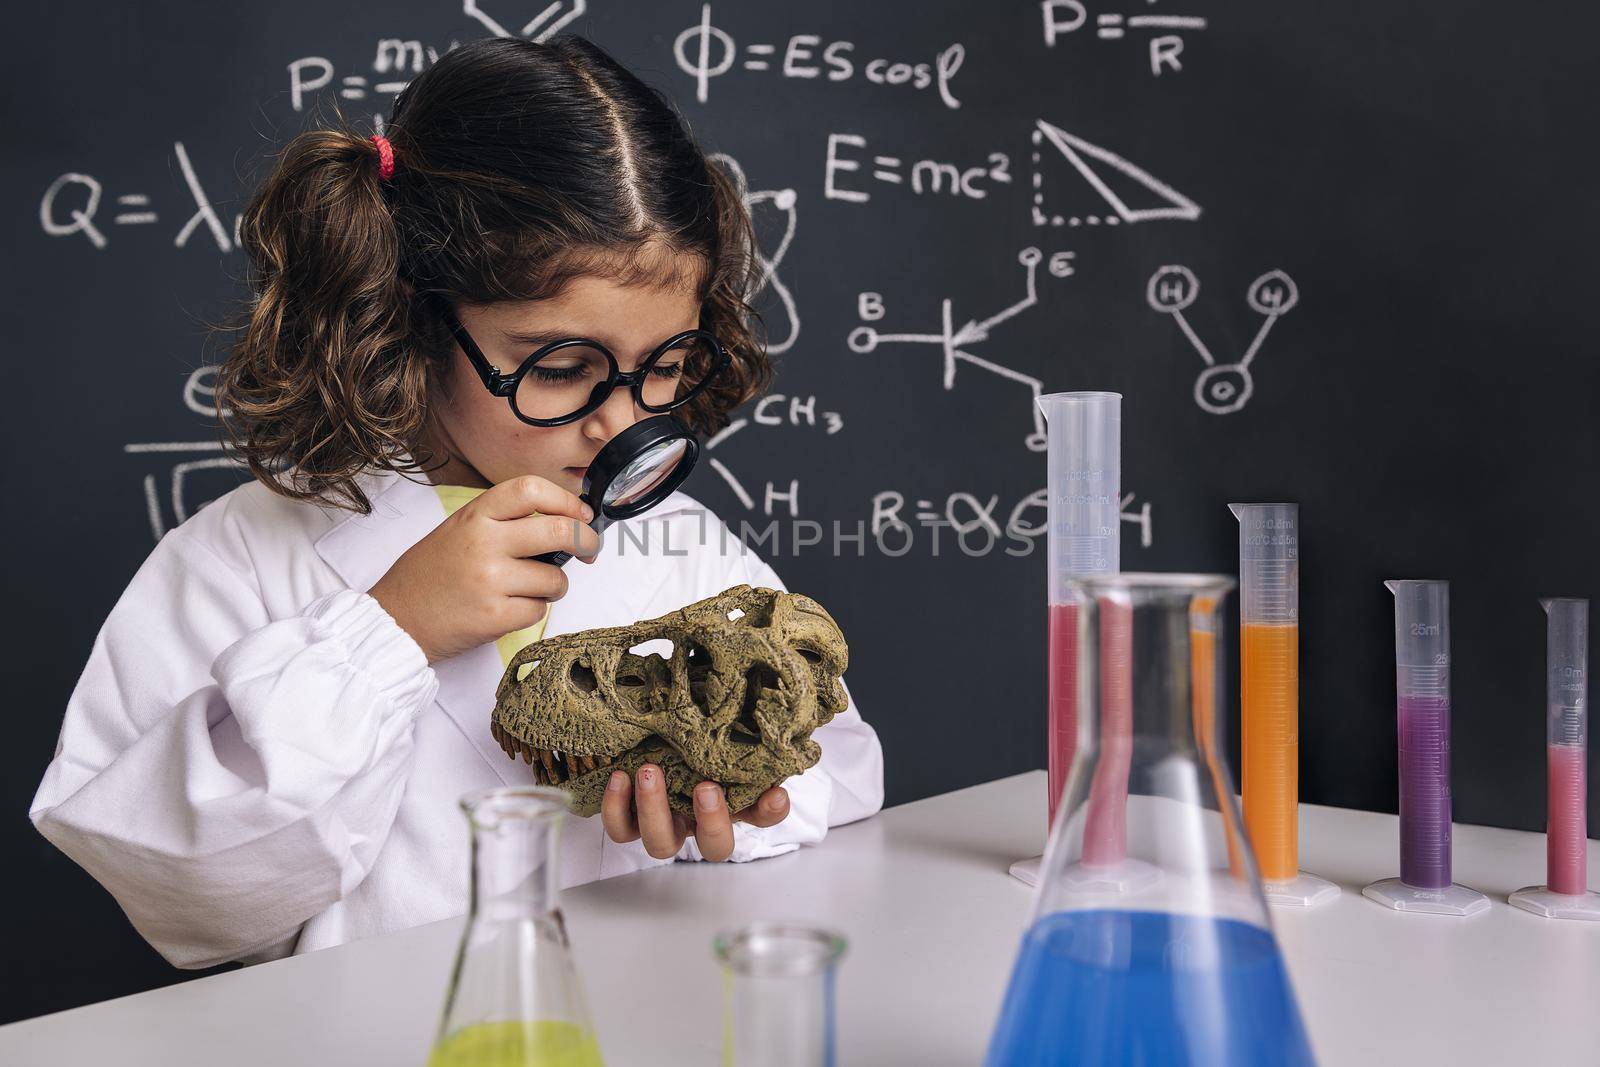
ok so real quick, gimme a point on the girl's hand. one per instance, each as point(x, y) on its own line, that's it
point(470, 581)
point(646, 814)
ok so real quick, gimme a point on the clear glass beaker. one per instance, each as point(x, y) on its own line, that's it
point(778, 994)
point(1160, 952)
point(515, 999)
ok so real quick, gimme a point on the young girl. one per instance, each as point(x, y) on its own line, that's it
point(264, 753)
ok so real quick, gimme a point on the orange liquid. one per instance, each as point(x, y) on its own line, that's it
point(1270, 746)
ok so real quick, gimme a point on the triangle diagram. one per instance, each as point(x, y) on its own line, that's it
point(1102, 168)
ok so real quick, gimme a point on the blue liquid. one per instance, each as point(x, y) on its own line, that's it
point(1150, 989)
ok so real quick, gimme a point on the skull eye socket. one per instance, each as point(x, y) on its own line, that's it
point(810, 655)
point(584, 678)
point(630, 680)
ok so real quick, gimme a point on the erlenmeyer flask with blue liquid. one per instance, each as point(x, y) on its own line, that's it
point(1149, 941)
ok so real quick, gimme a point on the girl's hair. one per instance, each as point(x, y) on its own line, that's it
point(519, 166)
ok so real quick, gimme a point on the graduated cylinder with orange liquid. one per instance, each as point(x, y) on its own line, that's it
point(1269, 687)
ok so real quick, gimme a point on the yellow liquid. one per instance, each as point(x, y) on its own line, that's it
point(518, 1044)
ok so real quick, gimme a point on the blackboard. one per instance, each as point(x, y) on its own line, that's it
point(1384, 212)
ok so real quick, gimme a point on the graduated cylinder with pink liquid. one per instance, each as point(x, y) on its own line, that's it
point(1084, 433)
point(1566, 896)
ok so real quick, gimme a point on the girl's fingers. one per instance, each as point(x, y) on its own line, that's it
point(515, 498)
point(616, 810)
point(538, 534)
point(662, 836)
point(771, 809)
point(713, 830)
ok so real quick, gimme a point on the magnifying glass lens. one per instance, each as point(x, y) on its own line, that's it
point(632, 490)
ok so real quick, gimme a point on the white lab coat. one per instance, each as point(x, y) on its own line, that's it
point(257, 760)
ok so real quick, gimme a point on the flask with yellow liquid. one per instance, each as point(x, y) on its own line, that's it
point(515, 999)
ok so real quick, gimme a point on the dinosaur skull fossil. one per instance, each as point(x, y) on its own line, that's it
point(751, 673)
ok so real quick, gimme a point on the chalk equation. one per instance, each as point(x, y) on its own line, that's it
point(774, 409)
point(953, 341)
point(1222, 388)
point(704, 52)
point(966, 512)
point(1114, 180)
point(1164, 44)
point(71, 205)
point(184, 487)
point(927, 176)
point(394, 63)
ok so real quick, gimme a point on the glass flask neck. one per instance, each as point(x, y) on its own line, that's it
point(1148, 817)
point(515, 863)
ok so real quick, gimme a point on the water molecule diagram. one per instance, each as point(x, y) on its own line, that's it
point(953, 341)
point(1222, 388)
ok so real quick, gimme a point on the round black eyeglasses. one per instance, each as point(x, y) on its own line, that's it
point(567, 379)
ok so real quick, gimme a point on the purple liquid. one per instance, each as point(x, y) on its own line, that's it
point(1425, 791)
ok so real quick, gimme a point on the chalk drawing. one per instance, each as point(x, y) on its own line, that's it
point(199, 396)
point(544, 24)
point(806, 57)
point(71, 202)
point(928, 176)
point(1169, 203)
point(953, 341)
point(1165, 45)
point(774, 409)
point(1222, 388)
point(785, 201)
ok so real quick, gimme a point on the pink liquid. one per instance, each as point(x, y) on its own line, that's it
point(1567, 836)
point(1105, 831)
point(1061, 655)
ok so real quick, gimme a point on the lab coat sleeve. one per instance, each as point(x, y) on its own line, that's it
point(226, 775)
point(846, 784)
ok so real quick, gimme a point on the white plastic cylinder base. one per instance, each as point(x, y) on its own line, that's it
point(1539, 900)
point(1455, 900)
point(1027, 871)
point(1120, 879)
point(1302, 891)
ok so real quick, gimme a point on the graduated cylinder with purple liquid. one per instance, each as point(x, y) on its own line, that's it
point(1422, 685)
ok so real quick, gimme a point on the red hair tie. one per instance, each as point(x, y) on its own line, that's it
point(385, 157)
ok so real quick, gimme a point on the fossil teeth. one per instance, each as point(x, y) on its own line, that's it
point(549, 764)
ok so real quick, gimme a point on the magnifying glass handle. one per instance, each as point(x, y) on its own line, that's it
point(559, 559)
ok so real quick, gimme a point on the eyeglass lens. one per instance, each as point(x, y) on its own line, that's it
point(564, 381)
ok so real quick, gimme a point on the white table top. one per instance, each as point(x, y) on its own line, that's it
point(933, 921)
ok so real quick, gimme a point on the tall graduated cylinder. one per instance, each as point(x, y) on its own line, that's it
point(1269, 698)
point(1422, 720)
point(1164, 956)
point(514, 998)
point(1084, 440)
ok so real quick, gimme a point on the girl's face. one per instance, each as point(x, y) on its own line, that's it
point(481, 436)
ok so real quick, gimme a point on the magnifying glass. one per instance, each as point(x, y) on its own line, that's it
point(635, 471)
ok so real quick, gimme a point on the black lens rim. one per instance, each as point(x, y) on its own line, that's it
point(621, 449)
